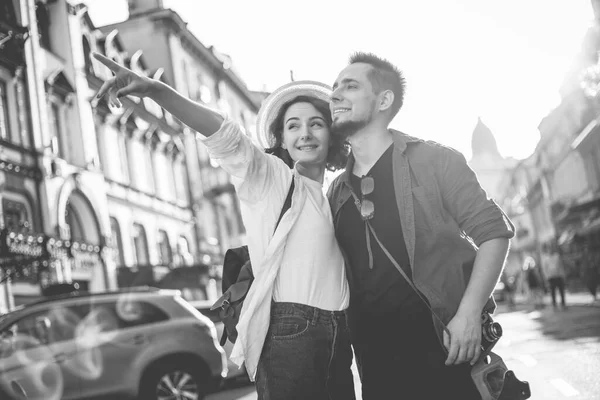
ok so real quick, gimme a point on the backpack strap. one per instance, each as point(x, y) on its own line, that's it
point(287, 204)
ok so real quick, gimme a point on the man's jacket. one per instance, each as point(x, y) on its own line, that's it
point(445, 216)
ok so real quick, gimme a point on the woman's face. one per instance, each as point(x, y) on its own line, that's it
point(305, 134)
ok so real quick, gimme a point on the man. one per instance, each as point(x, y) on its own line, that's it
point(422, 203)
point(554, 272)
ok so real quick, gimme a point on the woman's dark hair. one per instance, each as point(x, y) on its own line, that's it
point(338, 147)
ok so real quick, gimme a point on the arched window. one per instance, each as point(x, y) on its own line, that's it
point(75, 224)
point(4, 124)
point(164, 249)
point(16, 215)
point(140, 243)
point(183, 250)
point(117, 242)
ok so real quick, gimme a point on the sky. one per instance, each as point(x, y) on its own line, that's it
point(502, 61)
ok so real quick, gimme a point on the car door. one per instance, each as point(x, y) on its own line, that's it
point(34, 356)
point(114, 333)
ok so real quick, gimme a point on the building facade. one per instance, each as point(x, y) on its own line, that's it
point(555, 192)
point(52, 190)
point(98, 196)
point(207, 76)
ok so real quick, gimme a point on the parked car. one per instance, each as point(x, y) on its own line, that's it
point(141, 343)
point(235, 373)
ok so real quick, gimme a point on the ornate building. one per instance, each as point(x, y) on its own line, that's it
point(55, 225)
point(100, 196)
point(206, 76)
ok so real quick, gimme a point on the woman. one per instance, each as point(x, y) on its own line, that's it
point(292, 333)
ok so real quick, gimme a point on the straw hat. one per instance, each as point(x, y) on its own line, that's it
point(273, 103)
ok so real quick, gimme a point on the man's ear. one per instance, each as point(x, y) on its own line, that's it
point(283, 146)
point(386, 99)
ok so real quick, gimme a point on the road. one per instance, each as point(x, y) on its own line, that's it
point(556, 351)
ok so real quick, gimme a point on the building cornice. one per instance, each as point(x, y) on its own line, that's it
point(172, 20)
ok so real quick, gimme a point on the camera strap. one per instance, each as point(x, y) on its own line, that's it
point(408, 280)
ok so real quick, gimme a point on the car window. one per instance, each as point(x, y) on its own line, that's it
point(56, 324)
point(125, 313)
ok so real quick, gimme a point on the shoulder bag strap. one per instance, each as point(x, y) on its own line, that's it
point(406, 278)
point(287, 204)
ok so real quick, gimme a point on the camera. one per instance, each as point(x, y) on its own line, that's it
point(491, 332)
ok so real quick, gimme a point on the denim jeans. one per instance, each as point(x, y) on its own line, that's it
point(306, 355)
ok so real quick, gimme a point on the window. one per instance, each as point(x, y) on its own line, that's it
point(184, 71)
point(120, 314)
point(180, 175)
point(89, 69)
point(55, 123)
point(15, 215)
point(164, 249)
point(4, 125)
point(140, 243)
point(43, 21)
point(132, 313)
point(117, 242)
point(136, 163)
point(75, 223)
point(163, 176)
point(57, 324)
point(149, 167)
point(123, 157)
point(183, 250)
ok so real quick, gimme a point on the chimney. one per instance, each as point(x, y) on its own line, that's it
point(141, 6)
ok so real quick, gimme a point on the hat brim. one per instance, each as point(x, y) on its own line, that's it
point(273, 103)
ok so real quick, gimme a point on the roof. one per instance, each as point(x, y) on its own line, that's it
point(216, 60)
point(81, 295)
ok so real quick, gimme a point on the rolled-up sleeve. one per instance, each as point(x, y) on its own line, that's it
point(464, 198)
point(252, 170)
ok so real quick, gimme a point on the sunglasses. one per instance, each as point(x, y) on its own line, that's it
point(367, 207)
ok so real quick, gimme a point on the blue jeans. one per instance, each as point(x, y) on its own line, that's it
point(306, 355)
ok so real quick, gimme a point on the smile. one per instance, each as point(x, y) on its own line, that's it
point(340, 110)
point(308, 147)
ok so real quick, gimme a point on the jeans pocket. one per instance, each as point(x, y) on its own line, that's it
point(288, 327)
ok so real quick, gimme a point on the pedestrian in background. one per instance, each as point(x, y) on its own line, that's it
point(535, 283)
point(510, 287)
point(554, 271)
point(590, 274)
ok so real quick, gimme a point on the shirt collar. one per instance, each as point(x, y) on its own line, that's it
point(401, 141)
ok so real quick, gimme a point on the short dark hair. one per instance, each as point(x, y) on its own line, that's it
point(338, 146)
point(383, 76)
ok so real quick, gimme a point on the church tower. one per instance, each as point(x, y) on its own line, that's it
point(486, 160)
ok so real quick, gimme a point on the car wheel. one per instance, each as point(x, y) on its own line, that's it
point(173, 381)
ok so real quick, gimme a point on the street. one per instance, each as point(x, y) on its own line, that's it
point(556, 351)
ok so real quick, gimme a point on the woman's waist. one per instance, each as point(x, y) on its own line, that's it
point(281, 309)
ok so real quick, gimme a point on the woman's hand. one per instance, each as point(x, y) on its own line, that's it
point(125, 82)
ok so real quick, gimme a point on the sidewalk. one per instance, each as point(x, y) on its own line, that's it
point(573, 299)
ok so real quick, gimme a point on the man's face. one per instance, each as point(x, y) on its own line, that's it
point(353, 102)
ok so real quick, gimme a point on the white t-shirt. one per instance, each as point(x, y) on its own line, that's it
point(312, 271)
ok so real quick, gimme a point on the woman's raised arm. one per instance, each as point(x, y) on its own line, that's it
point(203, 120)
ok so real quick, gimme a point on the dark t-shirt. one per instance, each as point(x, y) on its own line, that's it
point(381, 290)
